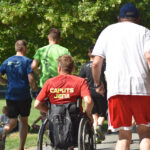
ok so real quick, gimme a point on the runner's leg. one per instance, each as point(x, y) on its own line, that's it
point(144, 135)
point(124, 140)
point(23, 131)
point(95, 118)
point(11, 125)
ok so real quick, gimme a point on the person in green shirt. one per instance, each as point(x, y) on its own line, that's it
point(46, 57)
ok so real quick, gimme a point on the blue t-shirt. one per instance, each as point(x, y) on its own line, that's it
point(17, 69)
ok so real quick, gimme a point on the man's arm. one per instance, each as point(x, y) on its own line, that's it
point(34, 64)
point(88, 106)
point(147, 57)
point(2, 80)
point(41, 106)
point(96, 72)
point(32, 81)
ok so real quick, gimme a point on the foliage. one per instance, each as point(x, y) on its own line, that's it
point(80, 21)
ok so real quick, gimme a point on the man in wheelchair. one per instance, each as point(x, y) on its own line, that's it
point(63, 92)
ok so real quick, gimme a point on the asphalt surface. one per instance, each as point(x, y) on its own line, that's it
point(110, 141)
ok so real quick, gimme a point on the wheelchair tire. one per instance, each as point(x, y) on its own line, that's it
point(44, 142)
point(80, 132)
point(86, 137)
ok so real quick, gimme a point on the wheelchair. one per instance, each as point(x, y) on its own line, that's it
point(85, 136)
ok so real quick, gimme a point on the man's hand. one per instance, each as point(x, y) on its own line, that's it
point(41, 106)
point(101, 90)
point(91, 119)
point(3, 80)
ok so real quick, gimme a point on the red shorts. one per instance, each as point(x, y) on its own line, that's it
point(123, 107)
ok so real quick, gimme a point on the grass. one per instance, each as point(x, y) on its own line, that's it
point(12, 140)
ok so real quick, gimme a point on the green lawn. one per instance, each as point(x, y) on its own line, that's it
point(12, 140)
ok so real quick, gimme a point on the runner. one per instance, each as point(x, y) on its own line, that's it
point(18, 99)
point(126, 47)
point(100, 101)
point(46, 57)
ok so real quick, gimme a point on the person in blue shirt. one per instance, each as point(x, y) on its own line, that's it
point(18, 99)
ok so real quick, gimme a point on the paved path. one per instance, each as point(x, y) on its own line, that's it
point(110, 141)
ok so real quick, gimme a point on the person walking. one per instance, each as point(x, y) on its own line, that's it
point(126, 47)
point(18, 99)
point(46, 57)
point(100, 101)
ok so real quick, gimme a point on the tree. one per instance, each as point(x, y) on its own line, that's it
point(80, 22)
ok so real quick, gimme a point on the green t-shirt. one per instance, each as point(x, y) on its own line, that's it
point(47, 57)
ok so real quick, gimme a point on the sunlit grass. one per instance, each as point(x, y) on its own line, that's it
point(12, 140)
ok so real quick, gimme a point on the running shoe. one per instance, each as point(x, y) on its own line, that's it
point(109, 131)
point(97, 139)
point(100, 133)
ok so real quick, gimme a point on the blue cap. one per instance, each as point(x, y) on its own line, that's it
point(128, 11)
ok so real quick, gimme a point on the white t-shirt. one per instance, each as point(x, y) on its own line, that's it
point(123, 45)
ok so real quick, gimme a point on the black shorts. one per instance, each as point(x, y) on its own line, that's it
point(100, 105)
point(19, 107)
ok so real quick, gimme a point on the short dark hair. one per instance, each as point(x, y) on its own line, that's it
point(66, 62)
point(90, 50)
point(54, 34)
point(19, 45)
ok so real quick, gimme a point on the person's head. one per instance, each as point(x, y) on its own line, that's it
point(65, 64)
point(4, 111)
point(54, 35)
point(21, 46)
point(128, 12)
point(90, 50)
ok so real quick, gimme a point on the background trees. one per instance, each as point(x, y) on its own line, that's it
point(80, 22)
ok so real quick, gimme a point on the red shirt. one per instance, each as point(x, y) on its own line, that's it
point(64, 89)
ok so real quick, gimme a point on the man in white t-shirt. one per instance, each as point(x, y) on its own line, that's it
point(126, 48)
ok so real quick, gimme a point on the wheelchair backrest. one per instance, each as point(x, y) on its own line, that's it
point(61, 125)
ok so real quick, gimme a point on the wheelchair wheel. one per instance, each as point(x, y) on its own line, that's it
point(44, 142)
point(80, 131)
point(86, 137)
